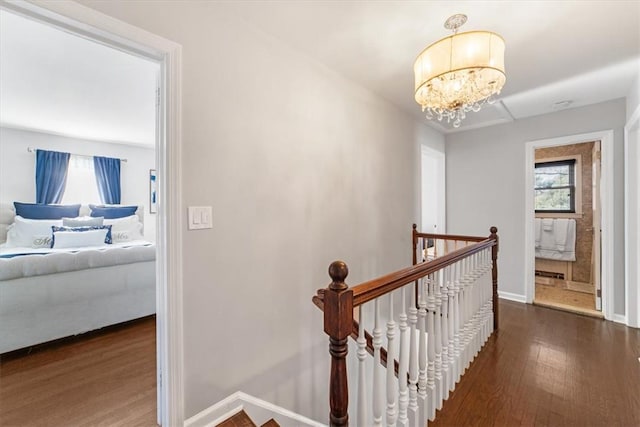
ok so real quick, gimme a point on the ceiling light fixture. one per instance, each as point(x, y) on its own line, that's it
point(459, 73)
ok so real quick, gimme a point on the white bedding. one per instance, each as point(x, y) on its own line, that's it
point(43, 261)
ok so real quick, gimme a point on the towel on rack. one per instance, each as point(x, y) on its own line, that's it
point(561, 231)
point(547, 224)
point(538, 222)
point(559, 243)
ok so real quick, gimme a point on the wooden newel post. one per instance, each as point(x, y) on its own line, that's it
point(494, 275)
point(338, 323)
point(414, 234)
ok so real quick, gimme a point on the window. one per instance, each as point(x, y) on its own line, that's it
point(81, 182)
point(555, 184)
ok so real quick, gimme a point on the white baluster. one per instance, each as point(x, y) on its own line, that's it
point(462, 295)
point(362, 382)
point(478, 306)
point(444, 337)
point(451, 328)
point(403, 368)
point(413, 361)
point(438, 342)
point(422, 354)
point(431, 353)
point(456, 320)
point(391, 371)
point(489, 286)
point(378, 390)
point(468, 314)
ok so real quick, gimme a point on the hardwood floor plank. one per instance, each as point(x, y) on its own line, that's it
point(550, 368)
point(104, 379)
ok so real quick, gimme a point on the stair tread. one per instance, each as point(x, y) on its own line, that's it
point(239, 419)
point(271, 423)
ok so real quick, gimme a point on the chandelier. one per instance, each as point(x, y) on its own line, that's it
point(459, 73)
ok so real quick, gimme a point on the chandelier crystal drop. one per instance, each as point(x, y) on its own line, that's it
point(459, 73)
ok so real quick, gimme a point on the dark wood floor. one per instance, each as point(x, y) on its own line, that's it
point(107, 379)
point(550, 368)
point(543, 368)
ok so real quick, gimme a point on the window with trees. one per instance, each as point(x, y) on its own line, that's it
point(555, 186)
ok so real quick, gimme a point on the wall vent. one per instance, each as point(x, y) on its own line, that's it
point(550, 274)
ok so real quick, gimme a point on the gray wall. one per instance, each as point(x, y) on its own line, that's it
point(302, 167)
point(485, 175)
point(633, 98)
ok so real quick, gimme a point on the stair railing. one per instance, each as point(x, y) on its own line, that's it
point(452, 311)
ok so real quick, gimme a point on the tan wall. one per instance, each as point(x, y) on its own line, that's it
point(584, 235)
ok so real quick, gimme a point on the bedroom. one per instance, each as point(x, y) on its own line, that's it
point(65, 94)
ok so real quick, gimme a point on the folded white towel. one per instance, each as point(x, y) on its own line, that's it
point(547, 224)
point(538, 222)
point(561, 229)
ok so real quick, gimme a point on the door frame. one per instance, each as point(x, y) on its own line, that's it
point(632, 210)
point(606, 202)
point(96, 26)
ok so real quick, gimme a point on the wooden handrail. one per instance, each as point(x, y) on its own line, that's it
point(450, 237)
point(368, 291)
point(338, 300)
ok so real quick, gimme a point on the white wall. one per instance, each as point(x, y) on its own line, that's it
point(485, 174)
point(17, 167)
point(302, 167)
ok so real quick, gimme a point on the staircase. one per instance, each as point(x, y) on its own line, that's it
point(243, 410)
point(241, 419)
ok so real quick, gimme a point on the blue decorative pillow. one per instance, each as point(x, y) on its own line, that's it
point(112, 212)
point(68, 237)
point(43, 211)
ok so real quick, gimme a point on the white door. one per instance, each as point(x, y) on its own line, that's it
point(433, 191)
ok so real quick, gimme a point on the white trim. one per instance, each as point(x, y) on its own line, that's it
point(606, 197)
point(232, 404)
point(619, 318)
point(228, 415)
point(102, 28)
point(632, 305)
point(512, 297)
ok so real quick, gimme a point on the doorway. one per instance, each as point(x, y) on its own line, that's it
point(567, 228)
point(90, 24)
point(602, 210)
point(432, 191)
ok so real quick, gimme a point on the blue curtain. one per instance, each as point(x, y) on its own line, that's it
point(51, 175)
point(108, 179)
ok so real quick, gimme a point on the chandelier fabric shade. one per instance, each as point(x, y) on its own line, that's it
point(459, 73)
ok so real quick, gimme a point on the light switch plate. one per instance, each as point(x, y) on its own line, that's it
point(200, 217)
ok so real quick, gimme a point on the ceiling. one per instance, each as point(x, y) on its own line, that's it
point(583, 52)
point(59, 83)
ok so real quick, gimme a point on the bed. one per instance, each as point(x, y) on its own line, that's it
point(47, 294)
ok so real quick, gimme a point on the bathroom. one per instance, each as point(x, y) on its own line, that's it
point(567, 228)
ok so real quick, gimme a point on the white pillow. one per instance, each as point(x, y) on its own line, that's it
point(125, 229)
point(28, 232)
point(43, 241)
point(83, 221)
point(117, 222)
point(75, 239)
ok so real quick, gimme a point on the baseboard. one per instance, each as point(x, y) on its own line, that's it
point(619, 318)
point(512, 297)
point(258, 410)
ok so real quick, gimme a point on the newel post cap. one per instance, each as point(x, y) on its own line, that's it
point(338, 271)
